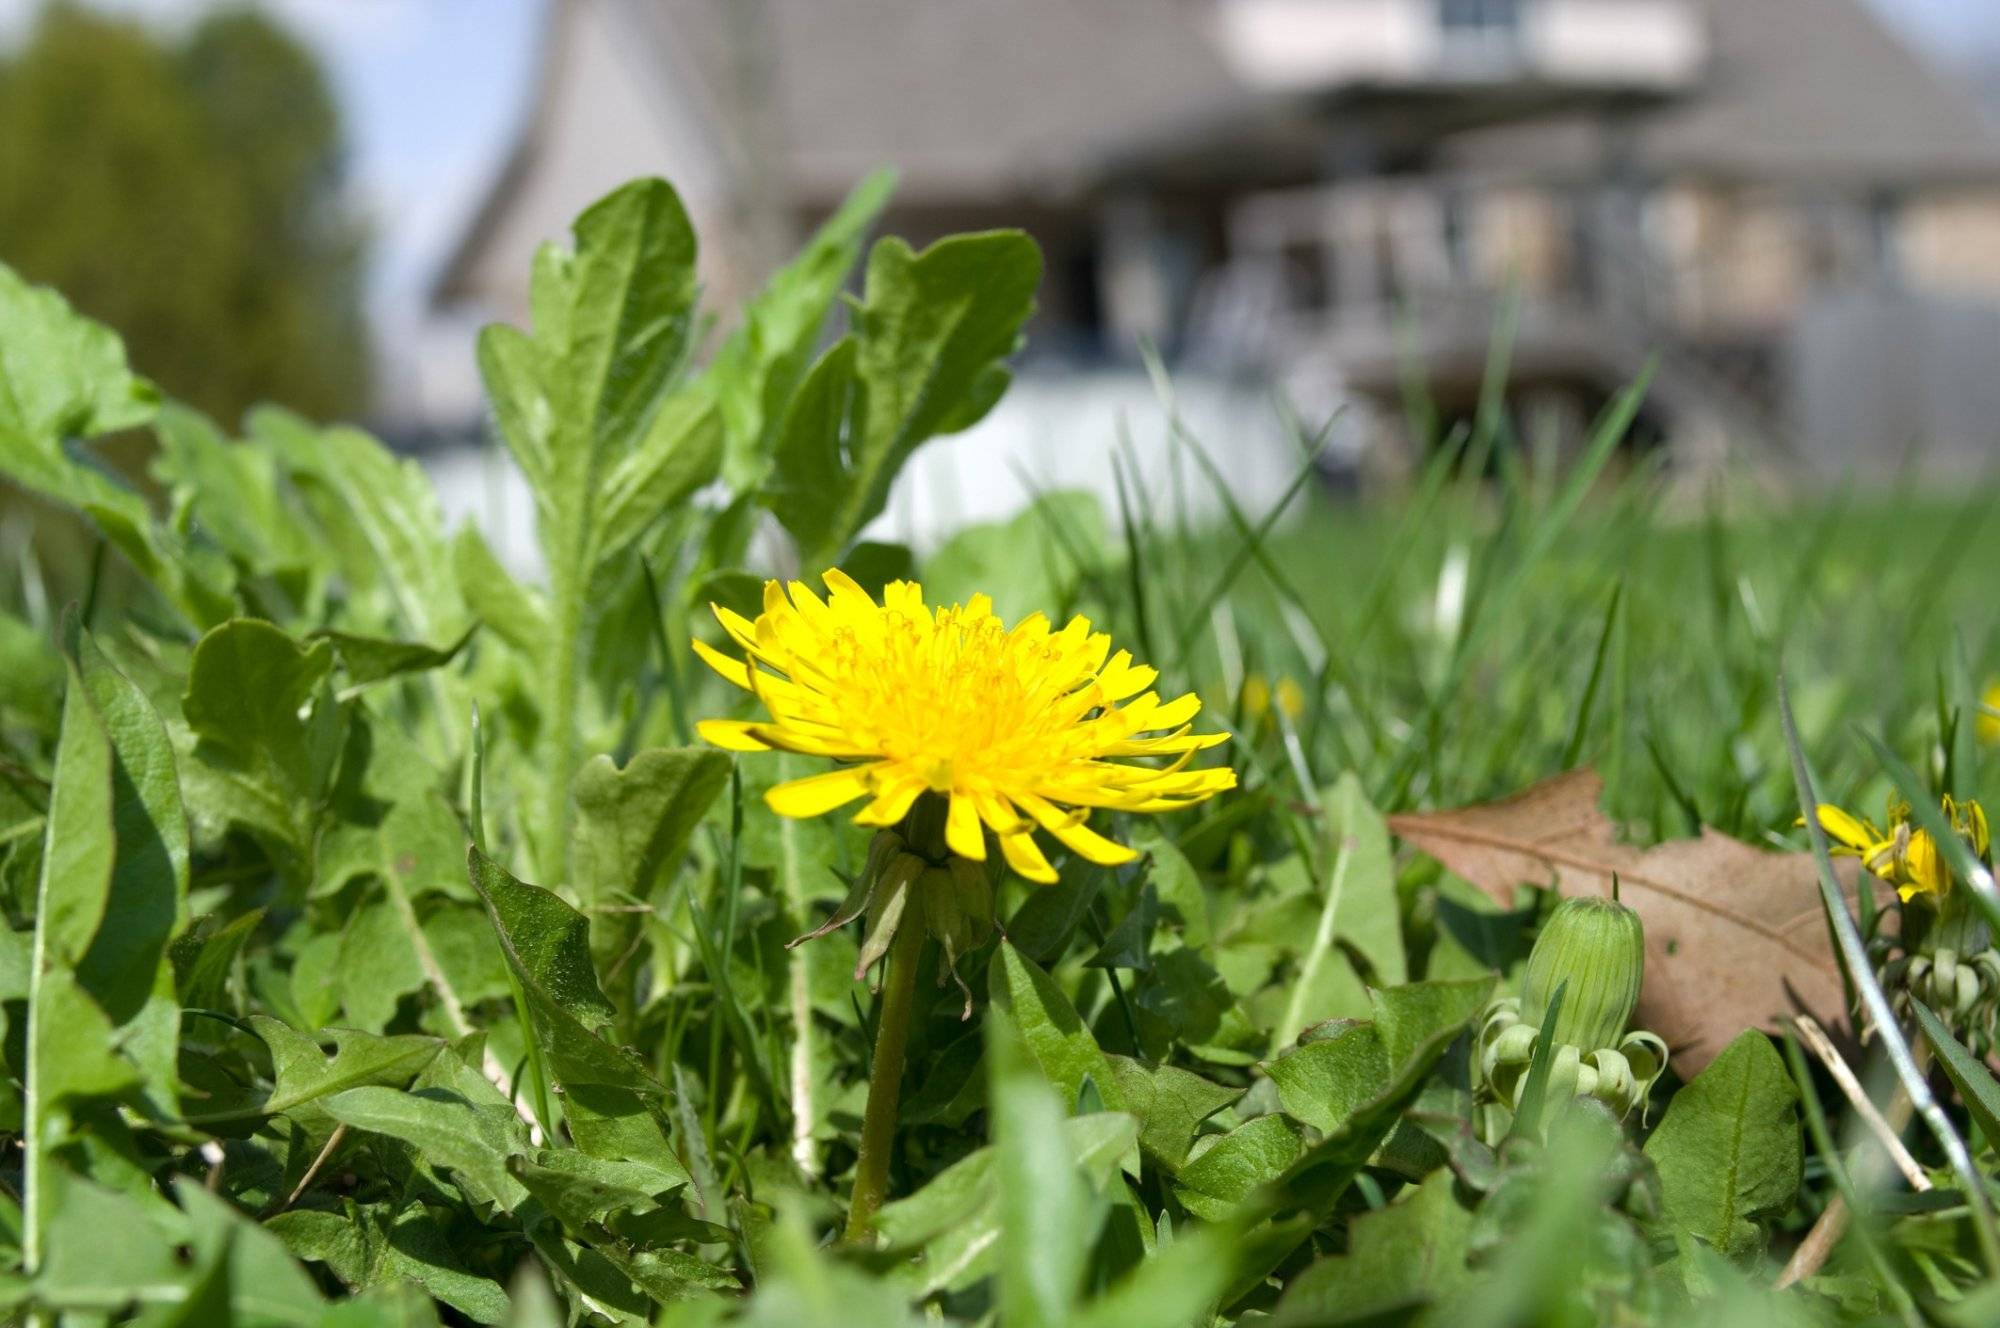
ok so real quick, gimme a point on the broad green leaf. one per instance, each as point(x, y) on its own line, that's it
point(1214, 1181)
point(581, 1190)
point(609, 1096)
point(102, 1017)
point(1176, 1287)
point(268, 730)
point(61, 375)
point(388, 816)
point(1425, 1025)
point(1053, 1032)
point(105, 1251)
point(229, 493)
point(1325, 1081)
point(377, 966)
point(145, 908)
point(1171, 1103)
point(204, 957)
point(1399, 1257)
point(62, 378)
point(632, 827)
point(267, 1287)
point(1183, 903)
point(1411, 1018)
point(81, 849)
point(923, 359)
point(756, 370)
point(955, 1220)
point(302, 1073)
point(447, 1130)
point(1049, 1216)
point(369, 1246)
point(1728, 1150)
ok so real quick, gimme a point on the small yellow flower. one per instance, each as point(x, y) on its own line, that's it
point(1987, 725)
point(1018, 728)
point(1906, 856)
point(1258, 696)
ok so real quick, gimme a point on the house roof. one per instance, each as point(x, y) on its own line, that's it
point(1811, 92)
point(981, 98)
point(978, 101)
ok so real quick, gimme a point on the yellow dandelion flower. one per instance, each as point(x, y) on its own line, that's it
point(1017, 728)
point(1905, 856)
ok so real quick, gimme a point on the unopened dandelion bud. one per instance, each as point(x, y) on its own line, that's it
point(1598, 948)
point(958, 906)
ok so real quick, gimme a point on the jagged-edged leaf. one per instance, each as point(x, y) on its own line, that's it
point(756, 369)
point(1213, 1181)
point(447, 1130)
point(1171, 1103)
point(369, 1245)
point(581, 1190)
point(923, 359)
point(679, 452)
point(267, 730)
point(370, 659)
point(609, 1097)
point(1055, 1035)
point(632, 825)
point(64, 377)
point(303, 1073)
point(1325, 1081)
point(515, 613)
point(383, 520)
point(229, 493)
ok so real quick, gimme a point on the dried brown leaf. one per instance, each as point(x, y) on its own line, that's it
point(1735, 936)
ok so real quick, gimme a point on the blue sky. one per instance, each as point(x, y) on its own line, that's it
point(435, 91)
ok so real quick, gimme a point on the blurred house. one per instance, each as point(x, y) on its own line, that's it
point(1774, 197)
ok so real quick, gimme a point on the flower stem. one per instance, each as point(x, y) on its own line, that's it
point(885, 1077)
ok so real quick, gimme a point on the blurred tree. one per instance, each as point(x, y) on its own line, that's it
point(187, 193)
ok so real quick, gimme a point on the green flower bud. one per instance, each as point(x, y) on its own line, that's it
point(1598, 948)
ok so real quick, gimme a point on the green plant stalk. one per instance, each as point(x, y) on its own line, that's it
point(885, 1076)
point(559, 714)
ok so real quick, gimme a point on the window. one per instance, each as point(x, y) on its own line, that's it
point(1480, 18)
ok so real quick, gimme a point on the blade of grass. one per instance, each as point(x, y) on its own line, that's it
point(1534, 1094)
point(1581, 726)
